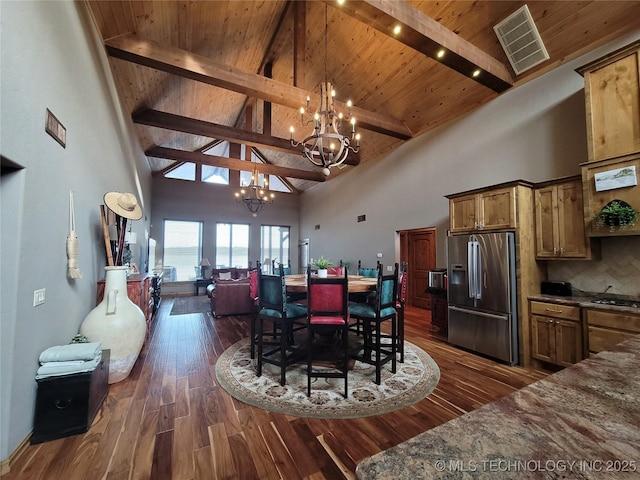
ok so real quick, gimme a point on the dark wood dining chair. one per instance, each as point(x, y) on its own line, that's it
point(372, 351)
point(403, 278)
point(328, 312)
point(276, 267)
point(335, 270)
point(368, 271)
point(402, 296)
point(283, 315)
point(253, 292)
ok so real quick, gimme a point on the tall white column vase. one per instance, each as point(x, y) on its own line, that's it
point(118, 323)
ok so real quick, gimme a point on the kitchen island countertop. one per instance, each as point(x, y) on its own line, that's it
point(588, 414)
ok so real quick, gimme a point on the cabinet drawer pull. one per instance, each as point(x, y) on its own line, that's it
point(552, 310)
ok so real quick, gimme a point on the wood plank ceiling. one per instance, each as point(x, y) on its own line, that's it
point(192, 73)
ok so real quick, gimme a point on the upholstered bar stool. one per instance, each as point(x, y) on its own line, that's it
point(372, 351)
point(328, 312)
point(274, 308)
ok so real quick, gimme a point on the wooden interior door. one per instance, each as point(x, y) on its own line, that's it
point(420, 252)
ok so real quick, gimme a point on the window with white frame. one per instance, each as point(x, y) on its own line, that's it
point(232, 245)
point(275, 245)
point(182, 249)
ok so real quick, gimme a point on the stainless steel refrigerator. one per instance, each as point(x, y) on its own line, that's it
point(483, 314)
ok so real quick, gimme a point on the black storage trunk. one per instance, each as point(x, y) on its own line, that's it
point(67, 404)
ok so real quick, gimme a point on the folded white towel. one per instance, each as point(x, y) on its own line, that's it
point(73, 351)
point(56, 370)
point(63, 364)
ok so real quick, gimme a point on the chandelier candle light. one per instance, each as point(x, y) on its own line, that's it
point(326, 147)
point(253, 196)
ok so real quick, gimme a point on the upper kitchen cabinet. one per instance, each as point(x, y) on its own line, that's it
point(491, 208)
point(560, 232)
point(612, 94)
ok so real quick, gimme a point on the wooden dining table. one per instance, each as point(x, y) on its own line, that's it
point(356, 283)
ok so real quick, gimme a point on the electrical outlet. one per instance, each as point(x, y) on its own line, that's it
point(38, 297)
point(389, 268)
point(379, 255)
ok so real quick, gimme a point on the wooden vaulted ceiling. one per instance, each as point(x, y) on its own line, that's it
point(192, 73)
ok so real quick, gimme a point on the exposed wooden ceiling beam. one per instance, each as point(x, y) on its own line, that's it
point(427, 36)
point(170, 121)
point(266, 161)
point(196, 67)
point(233, 164)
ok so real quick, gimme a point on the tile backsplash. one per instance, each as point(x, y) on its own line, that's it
point(619, 266)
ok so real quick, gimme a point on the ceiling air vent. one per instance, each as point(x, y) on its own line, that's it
point(521, 41)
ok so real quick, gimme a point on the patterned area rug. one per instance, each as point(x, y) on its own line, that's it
point(415, 379)
point(185, 305)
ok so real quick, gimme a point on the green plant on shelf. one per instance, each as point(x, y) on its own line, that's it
point(322, 263)
point(617, 213)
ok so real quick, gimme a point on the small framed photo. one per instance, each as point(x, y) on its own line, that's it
point(54, 128)
point(618, 178)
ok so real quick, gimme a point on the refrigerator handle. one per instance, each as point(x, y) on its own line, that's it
point(479, 273)
point(475, 269)
point(478, 313)
point(471, 268)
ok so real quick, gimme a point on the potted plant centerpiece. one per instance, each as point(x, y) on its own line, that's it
point(617, 213)
point(322, 264)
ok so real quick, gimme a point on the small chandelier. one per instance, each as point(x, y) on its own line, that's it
point(326, 147)
point(253, 196)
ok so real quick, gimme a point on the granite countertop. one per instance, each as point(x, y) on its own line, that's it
point(585, 302)
point(588, 414)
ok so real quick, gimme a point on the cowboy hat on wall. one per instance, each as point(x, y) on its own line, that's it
point(123, 204)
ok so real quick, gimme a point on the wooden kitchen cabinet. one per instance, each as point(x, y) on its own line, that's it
point(439, 311)
point(612, 96)
point(606, 328)
point(560, 231)
point(490, 209)
point(556, 333)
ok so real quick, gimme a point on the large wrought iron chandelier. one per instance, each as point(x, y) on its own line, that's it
point(326, 147)
point(253, 196)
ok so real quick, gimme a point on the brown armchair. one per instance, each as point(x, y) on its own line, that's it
point(230, 297)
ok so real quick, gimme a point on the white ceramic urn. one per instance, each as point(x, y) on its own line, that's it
point(118, 323)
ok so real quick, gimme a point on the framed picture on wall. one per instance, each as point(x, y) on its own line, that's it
point(618, 178)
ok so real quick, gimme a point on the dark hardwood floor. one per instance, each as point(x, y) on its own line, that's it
point(170, 420)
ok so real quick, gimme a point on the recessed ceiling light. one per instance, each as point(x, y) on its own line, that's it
point(396, 29)
point(476, 73)
point(340, 2)
point(440, 53)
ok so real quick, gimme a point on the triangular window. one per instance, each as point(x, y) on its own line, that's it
point(186, 171)
point(220, 175)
